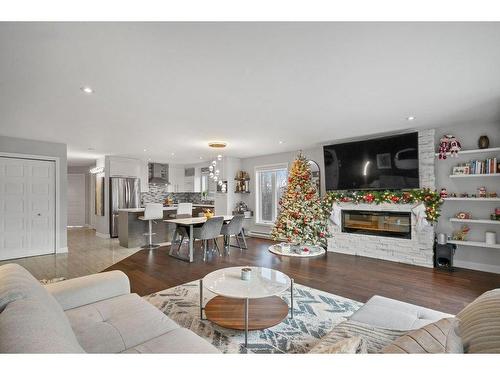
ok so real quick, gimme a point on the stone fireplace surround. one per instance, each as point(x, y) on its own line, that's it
point(419, 249)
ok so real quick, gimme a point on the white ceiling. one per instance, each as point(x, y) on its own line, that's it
point(172, 87)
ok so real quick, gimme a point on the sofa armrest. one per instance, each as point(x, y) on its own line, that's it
point(89, 289)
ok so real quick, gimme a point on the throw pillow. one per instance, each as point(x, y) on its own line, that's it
point(375, 338)
point(431, 338)
point(351, 345)
point(480, 324)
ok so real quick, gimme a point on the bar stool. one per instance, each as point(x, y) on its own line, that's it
point(184, 210)
point(153, 211)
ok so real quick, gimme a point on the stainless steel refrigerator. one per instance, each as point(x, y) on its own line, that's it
point(124, 192)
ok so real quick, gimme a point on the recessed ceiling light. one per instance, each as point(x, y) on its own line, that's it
point(149, 159)
point(280, 142)
point(173, 153)
point(410, 118)
point(145, 150)
point(87, 89)
point(201, 157)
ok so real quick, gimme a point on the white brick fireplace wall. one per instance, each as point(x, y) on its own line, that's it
point(419, 249)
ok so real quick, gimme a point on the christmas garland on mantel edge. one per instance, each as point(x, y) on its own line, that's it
point(431, 199)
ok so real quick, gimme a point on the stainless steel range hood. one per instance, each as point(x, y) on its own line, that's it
point(158, 174)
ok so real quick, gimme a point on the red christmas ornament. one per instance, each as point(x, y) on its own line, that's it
point(395, 199)
point(369, 198)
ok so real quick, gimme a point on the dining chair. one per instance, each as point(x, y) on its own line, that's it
point(210, 230)
point(233, 228)
point(153, 211)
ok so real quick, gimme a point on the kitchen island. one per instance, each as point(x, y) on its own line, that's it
point(131, 230)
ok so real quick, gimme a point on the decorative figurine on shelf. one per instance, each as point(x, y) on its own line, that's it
point(483, 142)
point(464, 195)
point(448, 143)
point(455, 146)
point(481, 192)
point(444, 145)
point(461, 234)
point(444, 193)
point(492, 194)
point(463, 215)
point(453, 195)
point(496, 214)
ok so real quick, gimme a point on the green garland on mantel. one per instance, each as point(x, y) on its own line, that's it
point(431, 199)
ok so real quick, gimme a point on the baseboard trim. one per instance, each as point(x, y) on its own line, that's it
point(258, 234)
point(62, 250)
point(102, 235)
point(477, 266)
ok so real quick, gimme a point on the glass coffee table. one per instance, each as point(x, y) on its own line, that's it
point(246, 305)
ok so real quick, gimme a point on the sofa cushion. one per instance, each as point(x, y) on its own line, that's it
point(88, 289)
point(180, 340)
point(117, 324)
point(480, 324)
point(392, 314)
point(31, 320)
point(431, 338)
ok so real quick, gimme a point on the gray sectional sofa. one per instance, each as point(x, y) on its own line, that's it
point(90, 314)
point(98, 314)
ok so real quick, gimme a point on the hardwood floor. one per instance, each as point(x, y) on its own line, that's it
point(358, 278)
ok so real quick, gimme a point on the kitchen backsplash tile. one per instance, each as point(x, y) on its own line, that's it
point(158, 193)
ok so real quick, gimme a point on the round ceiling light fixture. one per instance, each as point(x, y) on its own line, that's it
point(87, 90)
point(410, 118)
point(217, 144)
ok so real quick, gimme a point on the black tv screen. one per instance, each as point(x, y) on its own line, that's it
point(384, 163)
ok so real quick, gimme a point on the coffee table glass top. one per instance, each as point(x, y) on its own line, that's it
point(264, 282)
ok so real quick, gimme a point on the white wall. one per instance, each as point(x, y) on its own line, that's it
point(483, 259)
point(38, 148)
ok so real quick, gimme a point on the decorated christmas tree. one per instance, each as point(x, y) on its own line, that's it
point(302, 217)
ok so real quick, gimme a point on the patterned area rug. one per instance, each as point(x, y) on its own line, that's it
point(315, 314)
point(51, 281)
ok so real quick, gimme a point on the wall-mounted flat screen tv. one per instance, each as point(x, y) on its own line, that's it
point(376, 164)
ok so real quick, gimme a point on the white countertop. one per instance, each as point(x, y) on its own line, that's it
point(142, 209)
point(169, 208)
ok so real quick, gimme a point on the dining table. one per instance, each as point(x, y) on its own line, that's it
point(189, 223)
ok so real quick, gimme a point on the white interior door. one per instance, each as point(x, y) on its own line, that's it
point(76, 200)
point(27, 207)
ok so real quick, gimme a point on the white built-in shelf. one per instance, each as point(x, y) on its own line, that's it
point(476, 151)
point(475, 221)
point(472, 199)
point(474, 243)
point(475, 175)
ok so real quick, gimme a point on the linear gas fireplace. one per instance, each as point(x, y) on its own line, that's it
point(377, 223)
